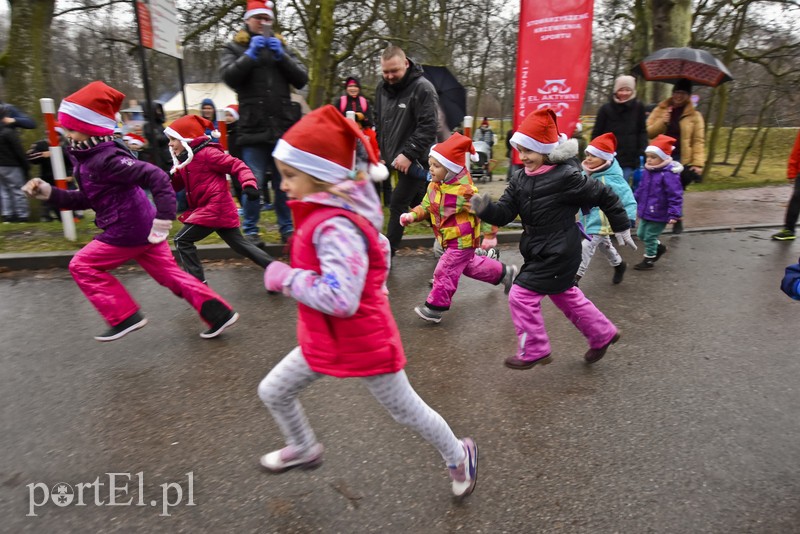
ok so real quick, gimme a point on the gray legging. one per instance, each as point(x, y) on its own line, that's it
point(12, 199)
point(280, 388)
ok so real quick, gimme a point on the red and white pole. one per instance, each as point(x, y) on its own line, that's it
point(468, 133)
point(57, 163)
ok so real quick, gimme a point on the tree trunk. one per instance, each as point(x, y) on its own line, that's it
point(642, 40)
point(672, 27)
point(761, 150)
point(768, 102)
point(27, 54)
point(319, 70)
point(729, 143)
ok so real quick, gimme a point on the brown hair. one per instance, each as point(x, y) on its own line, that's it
point(392, 51)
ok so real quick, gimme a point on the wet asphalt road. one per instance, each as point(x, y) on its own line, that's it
point(689, 425)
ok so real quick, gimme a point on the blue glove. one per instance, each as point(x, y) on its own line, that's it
point(256, 44)
point(274, 44)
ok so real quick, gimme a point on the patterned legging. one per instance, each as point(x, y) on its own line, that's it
point(280, 388)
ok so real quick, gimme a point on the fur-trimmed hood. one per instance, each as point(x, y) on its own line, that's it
point(564, 151)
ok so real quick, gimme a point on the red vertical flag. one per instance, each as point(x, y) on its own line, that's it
point(553, 56)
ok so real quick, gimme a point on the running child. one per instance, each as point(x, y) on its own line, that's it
point(547, 194)
point(203, 175)
point(112, 183)
point(339, 263)
point(600, 164)
point(456, 227)
point(660, 198)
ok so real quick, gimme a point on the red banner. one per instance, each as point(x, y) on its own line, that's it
point(553, 56)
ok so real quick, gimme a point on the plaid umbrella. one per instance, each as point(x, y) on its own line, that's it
point(672, 64)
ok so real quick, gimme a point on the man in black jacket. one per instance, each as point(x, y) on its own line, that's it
point(406, 107)
point(13, 165)
point(259, 67)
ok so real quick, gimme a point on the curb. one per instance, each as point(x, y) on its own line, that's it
point(35, 261)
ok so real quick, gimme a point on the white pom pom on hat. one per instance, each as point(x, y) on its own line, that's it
point(323, 144)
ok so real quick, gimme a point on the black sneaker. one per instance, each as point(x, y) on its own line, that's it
point(645, 265)
point(660, 251)
point(784, 235)
point(217, 329)
point(619, 272)
point(218, 315)
point(134, 322)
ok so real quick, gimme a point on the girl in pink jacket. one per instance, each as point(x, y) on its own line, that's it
point(339, 264)
point(211, 209)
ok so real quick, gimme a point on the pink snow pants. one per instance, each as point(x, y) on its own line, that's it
point(526, 313)
point(90, 266)
point(454, 262)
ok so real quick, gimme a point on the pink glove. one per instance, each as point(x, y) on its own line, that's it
point(159, 231)
point(488, 243)
point(406, 219)
point(275, 275)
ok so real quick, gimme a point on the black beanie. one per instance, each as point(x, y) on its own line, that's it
point(683, 85)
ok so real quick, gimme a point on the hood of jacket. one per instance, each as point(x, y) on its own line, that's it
point(359, 197)
point(564, 151)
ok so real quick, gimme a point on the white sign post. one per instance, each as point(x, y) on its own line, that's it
point(57, 163)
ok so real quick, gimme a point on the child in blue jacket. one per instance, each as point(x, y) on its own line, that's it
point(601, 165)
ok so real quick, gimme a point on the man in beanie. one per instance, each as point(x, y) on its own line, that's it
point(260, 68)
point(113, 183)
point(624, 116)
point(406, 107)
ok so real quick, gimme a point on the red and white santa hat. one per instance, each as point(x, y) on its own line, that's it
point(233, 109)
point(134, 140)
point(603, 146)
point(91, 109)
point(538, 132)
point(323, 144)
point(662, 146)
point(259, 7)
point(185, 129)
point(452, 152)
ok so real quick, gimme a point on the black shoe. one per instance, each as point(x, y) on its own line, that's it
point(134, 322)
point(218, 316)
point(645, 265)
point(660, 251)
point(619, 272)
point(594, 355)
point(677, 228)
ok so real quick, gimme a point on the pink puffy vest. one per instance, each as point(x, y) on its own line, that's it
point(368, 343)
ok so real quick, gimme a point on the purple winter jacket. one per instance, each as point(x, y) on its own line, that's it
point(660, 195)
point(112, 183)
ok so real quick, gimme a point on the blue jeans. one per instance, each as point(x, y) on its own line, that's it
point(259, 159)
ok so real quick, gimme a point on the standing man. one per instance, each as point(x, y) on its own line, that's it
point(406, 119)
point(259, 67)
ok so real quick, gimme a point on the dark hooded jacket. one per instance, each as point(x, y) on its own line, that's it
point(547, 204)
point(627, 122)
point(406, 116)
point(266, 109)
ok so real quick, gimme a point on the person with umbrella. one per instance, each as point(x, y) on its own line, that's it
point(677, 117)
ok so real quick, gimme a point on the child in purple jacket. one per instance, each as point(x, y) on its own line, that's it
point(659, 197)
point(112, 183)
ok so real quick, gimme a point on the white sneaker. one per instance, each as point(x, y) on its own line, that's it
point(508, 279)
point(465, 474)
point(287, 458)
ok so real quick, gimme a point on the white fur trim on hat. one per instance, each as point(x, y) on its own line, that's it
point(267, 10)
point(232, 112)
point(449, 165)
point(86, 115)
point(172, 133)
point(320, 168)
point(657, 151)
point(521, 140)
point(594, 151)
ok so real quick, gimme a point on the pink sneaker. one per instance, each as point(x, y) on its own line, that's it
point(287, 458)
point(465, 474)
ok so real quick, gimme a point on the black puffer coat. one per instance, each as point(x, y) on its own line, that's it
point(627, 122)
point(266, 110)
point(547, 205)
point(406, 117)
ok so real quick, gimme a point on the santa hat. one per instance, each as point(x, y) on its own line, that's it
point(451, 153)
point(323, 144)
point(662, 146)
point(603, 146)
point(59, 129)
point(259, 7)
point(233, 109)
point(538, 132)
point(185, 129)
point(134, 140)
point(91, 109)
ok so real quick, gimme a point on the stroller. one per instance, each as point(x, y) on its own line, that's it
point(481, 170)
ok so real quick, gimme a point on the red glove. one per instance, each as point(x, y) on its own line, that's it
point(276, 275)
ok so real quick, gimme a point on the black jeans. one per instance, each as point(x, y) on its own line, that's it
point(187, 236)
point(407, 194)
point(793, 210)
